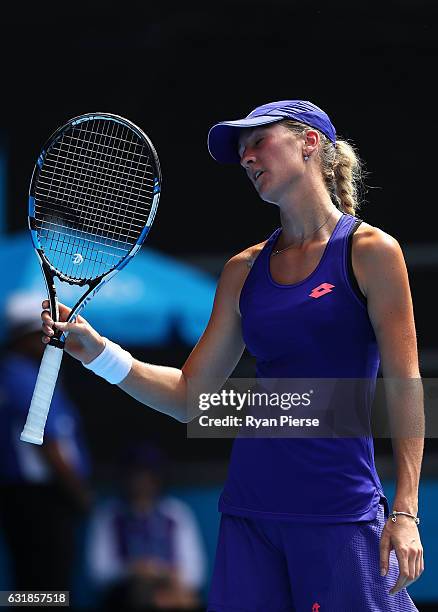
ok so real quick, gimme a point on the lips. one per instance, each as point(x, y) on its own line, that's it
point(257, 175)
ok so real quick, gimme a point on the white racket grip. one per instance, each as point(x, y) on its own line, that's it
point(42, 396)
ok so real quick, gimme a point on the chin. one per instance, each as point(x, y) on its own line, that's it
point(272, 202)
point(267, 197)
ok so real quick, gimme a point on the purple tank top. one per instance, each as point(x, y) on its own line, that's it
point(316, 328)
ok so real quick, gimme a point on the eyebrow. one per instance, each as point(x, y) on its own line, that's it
point(253, 131)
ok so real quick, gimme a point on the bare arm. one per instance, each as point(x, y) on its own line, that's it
point(383, 277)
point(211, 362)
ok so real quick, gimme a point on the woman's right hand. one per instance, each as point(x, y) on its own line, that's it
point(83, 342)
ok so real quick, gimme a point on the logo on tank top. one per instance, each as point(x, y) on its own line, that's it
point(321, 290)
point(315, 607)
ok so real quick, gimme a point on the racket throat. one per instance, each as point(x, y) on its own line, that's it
point(54, 308)
point(57, 342)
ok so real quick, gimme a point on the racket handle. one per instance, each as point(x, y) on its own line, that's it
point(42, 396)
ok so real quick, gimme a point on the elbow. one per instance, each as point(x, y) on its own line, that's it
point(183, 416)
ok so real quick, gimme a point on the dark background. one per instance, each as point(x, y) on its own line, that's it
point(175, 70)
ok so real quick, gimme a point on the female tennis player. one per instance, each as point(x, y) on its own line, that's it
point(305, 522)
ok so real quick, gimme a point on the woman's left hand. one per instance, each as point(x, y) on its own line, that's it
point(404, 538)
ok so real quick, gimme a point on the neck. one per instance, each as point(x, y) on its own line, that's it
point(303, 213)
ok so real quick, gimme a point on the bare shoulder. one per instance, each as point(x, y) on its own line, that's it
point(238, 266)
point(247, 257)
point(372, 244)
point(236, 270)
point(375, 254)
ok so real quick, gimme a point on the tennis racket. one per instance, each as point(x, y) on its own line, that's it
point(92, 200)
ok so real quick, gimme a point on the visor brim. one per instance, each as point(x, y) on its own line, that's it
point(224, 136)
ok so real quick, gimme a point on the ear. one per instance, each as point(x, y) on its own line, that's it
point(311, 140)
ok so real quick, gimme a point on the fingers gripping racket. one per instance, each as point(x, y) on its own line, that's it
point(92, 200)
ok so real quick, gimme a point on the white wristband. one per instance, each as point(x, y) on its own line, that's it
point(113, 363)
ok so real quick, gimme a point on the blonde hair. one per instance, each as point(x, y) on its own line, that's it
point(341, 168)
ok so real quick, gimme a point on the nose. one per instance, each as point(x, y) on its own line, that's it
point(247, 158)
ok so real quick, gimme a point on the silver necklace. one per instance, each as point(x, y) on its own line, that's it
point(278, 251)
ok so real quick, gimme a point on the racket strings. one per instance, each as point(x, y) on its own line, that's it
point(64, 244)
point(84, 177)
point(99, 186)
point(96, 222)
point(69, 210)
point(93, 197)
point(70, 218)
point(120, 152)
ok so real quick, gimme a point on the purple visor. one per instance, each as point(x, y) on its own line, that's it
point(223, 137)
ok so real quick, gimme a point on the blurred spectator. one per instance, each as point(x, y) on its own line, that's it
point(44, 490)
point(145, 549)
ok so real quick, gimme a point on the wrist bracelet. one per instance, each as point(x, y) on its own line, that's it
point(393, 517)
point(113, 363)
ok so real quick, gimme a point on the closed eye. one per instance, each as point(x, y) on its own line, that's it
point(256, 143)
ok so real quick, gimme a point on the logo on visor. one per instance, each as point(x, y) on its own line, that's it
point(321, 290)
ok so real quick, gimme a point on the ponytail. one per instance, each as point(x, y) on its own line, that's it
point(346, 177)
point(341, 169)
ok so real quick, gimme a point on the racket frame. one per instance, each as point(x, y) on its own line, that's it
point(49, 271)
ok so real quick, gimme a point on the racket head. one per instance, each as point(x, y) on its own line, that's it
point(93, 196)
